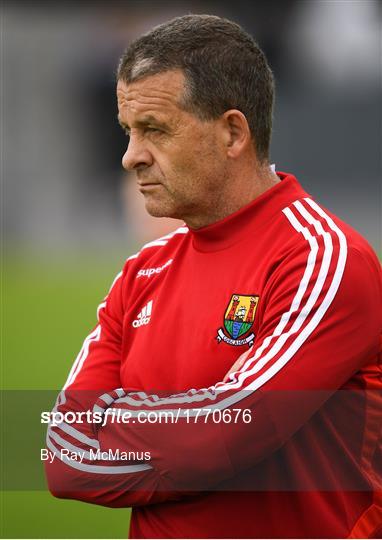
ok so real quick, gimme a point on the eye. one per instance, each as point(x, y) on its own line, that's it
point(151, 129)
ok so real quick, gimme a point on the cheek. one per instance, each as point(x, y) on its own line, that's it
point(206, 161)
point(197, 153)
point(191, 164)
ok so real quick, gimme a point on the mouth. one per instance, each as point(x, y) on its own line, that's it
point(143, 186)
point(140, 184)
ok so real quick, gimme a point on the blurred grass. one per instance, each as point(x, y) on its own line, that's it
point(38, 515)
point(48, 308)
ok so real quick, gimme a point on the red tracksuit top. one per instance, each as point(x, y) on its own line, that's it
point(300, 290)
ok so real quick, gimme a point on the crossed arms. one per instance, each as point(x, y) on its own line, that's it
point(316, 333)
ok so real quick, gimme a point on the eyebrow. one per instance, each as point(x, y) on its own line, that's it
point(148, 119)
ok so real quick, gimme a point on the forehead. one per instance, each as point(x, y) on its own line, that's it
point(156, 93)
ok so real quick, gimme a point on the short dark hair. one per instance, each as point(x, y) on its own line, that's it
point(223, 66)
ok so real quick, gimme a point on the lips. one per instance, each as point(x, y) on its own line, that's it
point(148, 187)
point(143, 184)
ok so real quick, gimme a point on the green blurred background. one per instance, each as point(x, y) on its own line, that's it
point(48, 309)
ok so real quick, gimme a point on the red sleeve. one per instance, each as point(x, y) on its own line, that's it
point(77, 470)
point(321, 323)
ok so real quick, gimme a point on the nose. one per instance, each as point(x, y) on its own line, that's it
point(136, 156)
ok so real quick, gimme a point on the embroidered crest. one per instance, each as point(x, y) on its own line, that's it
point(238, 320)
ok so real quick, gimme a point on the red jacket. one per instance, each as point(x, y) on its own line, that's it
point(289, 445)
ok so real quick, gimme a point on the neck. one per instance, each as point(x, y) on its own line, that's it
point(233, 195)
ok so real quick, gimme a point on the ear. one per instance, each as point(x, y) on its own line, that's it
point(236, 132)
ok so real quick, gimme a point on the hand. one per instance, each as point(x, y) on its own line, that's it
point(238, 364)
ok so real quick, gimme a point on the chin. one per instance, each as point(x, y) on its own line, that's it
point(158, 210)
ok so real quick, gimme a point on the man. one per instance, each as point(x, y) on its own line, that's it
point(256, 325)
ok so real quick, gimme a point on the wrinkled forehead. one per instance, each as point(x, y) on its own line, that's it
point(160, 92)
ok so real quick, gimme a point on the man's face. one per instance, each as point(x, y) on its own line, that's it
point(179, 160)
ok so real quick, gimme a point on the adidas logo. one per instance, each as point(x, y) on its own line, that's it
point(144, 315)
